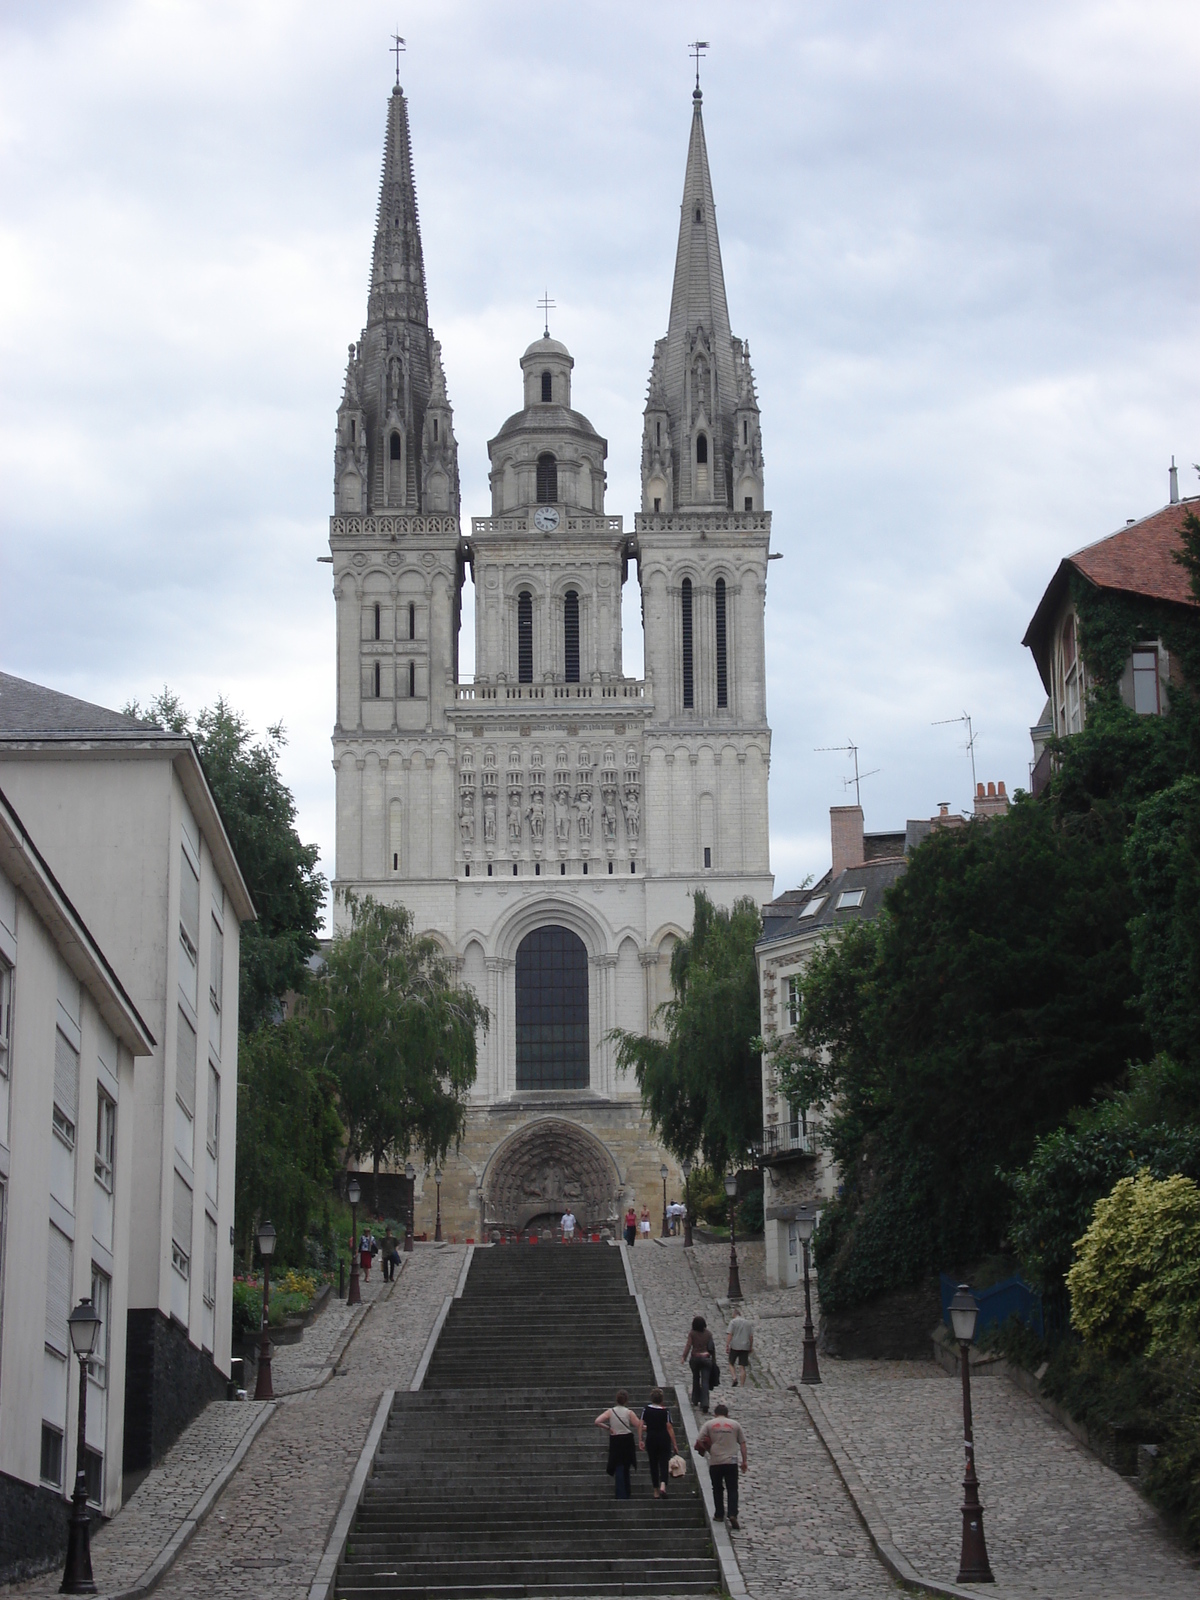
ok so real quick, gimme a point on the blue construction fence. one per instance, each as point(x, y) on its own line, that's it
point(1010, 1298)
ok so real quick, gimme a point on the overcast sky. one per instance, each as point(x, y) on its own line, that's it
point(960, 238)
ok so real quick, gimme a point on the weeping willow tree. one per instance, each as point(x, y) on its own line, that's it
point(701, 1080)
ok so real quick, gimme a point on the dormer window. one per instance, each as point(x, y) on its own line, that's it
point(701, 449)
point(547, 388)
point(394, 447)
point(547, 479)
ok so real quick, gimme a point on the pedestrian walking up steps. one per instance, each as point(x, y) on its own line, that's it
point(490, 1481)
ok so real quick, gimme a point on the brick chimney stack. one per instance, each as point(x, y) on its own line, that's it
point(846, 837)
point(991, 803)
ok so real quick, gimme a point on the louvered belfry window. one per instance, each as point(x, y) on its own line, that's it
point(686, 631)
point(722, 654)
point(547, 479)
point(547, 387)
point(524, 637)
point(571, 636)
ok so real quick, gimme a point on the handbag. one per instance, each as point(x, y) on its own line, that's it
point(677, 1466)
point(714, 1374)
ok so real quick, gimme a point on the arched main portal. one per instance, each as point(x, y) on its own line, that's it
point(546, 1166)
point(552, 1010)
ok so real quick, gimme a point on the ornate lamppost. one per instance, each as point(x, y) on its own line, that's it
point(811, 1373)
point(264, 1389)
point(687, 1203)
point(84, 1327)
point(354, 1195)
point(973, 1564)
point(437, 1231)
point(735, 1282)
point(410, 1172)
point(664, 1173)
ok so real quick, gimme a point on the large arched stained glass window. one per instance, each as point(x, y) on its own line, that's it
point(552, 1010)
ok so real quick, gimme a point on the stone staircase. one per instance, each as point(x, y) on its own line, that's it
point(490, 1481)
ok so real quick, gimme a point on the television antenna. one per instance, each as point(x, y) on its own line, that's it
point(850, 749)
point(969, 746)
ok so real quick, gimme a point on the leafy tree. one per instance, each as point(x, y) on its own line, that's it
point(397, 1035)
point(289, 1136)
point(259, 814)
point(1163, 858)
point(702, 1083)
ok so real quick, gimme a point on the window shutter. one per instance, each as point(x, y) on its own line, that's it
point(185, 1066)
point(214, 1106)
point(58, 1292)
point(66, 1077)
point(210, 1260)
point(189, 899)
point(181, 1219)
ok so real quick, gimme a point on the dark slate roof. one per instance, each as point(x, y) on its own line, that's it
point(31, 708)
point(782, 919)
point(545, 418)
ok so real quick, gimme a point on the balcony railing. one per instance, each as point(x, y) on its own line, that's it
point(790, 1139)
point(620, 689)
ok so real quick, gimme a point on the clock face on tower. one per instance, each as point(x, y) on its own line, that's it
point(545, 519)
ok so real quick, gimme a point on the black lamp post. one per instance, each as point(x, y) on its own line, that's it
point(437, 1231)
point(84, 1327)
point(973, 1564)
point(687, 1203)
point(354, 1195)
point(810, 1373)
point(410, 1172)
point(735, 1282)
point(664, 1173)
point(264, 1389)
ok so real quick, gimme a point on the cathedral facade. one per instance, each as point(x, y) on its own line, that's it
point(548, 821)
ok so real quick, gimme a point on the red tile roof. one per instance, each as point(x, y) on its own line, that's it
point(1139, 559)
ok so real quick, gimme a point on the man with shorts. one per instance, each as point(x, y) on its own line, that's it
point(739, 1342)
point(568, 1226)
point(720, 1439)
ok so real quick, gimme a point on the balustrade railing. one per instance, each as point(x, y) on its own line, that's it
point(791, 1138)
point(625, 689)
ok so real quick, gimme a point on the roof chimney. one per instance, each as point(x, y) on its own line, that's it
point(1174, 478)
point(846, 837)
point(993, 802)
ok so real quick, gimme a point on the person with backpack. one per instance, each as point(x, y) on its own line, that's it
point(625, 1434)
point(720, 1439)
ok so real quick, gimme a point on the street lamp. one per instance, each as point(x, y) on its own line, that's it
point(687, 1203)
point(735, 1282)
point(973, 1564)
point(811, 1373)
point(664, 1174)
point(84, 1327)
point(437, 1231)
point(354, 1195)
point(263, 1389)
point(410, 1172)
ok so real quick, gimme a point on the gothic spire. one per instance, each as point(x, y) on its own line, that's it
point(397, 264)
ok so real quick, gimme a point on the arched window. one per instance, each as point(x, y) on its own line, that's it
point(686, 631)
point(699, 214)
point(394, 447)
point(524, 637)
point(547, 479)
point(552, 1010)
point(722, 655)
point(377, 619)
point(547, 386)
point(701, 449)
point(412, 620)
point(571, 636)
point(412, 680)
point(376, 680)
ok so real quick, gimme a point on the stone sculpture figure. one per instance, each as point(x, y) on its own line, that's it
point(633, 814)
point(583, 803)
point(489, 819)
point(608, 816)
point(466, 817)
point(515, 821)
point(537, 816)
point(562, 817)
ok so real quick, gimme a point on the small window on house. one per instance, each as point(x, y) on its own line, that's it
point(547, 479)
point(685, 619)
point(394, 447)
point(722, 654)
point(1068, 642)
point(849, 898)
point(51, 1466)
point(524, 637)
point(377, 622)
point(106, 1140)
point(749, 502)
point(811, 907)
point(1145, 682)
point(708, 855)
point(571, 636)
point(793, 1001)
point(376, 680)
point(412, 680)
point(547, 387)
point(701, 449)
point(412, 620)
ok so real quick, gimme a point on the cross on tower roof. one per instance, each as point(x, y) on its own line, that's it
point(546, 305)
point(696, 50)
point(396, 47)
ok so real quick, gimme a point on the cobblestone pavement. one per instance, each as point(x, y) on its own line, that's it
point(800, 1535)
point(1058, 1523)
point(268, 1529)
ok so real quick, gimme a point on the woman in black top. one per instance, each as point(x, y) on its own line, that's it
point(701, 1353)
point(659, 1441)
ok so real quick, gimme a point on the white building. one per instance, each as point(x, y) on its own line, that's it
point(549, 820)
point(69, 1034)
point(124, 815)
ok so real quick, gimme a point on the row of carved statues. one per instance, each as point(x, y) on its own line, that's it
point(562, 811)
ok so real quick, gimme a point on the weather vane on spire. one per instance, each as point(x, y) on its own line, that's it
point(546, 305)
point(696, 50)
point(395, 50)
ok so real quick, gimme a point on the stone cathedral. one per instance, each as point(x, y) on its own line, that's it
point(548, 821)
